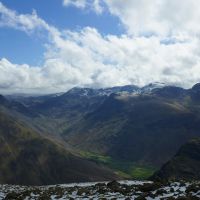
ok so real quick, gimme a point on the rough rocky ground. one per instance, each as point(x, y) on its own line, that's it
point(126, 190)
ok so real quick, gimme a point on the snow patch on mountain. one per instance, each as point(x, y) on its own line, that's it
point(128, 89)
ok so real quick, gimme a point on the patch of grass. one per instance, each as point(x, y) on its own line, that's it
point(142, 172)
point(123, 174)
point(95, 157)
point(123, 168)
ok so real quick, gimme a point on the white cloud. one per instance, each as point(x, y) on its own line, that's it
point(86, 58)
point(159, 17)
point(77, 3)
point(27, 22)
point(97, 6)
point(91, 4)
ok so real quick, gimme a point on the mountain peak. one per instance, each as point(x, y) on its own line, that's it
point(82, 91)
point(152, 86)
point(102, 91)
point(196, 87)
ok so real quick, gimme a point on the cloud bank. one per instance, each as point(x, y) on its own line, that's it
point(158, 46)
point(160, 17)
point(142, 17)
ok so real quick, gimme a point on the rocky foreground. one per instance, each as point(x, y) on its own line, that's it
point(112, 190)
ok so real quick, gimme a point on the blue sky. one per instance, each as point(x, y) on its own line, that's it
point(29, 49)
point(51, 46)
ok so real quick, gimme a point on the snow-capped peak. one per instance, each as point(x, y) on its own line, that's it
point(152, 86)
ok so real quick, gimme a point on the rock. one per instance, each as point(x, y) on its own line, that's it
point(11, 196)
point(182, 198)
point(142, 196)
point(148, 187)
point(171, 190)
point(182, 184)
point(170, 198)
point(160, 192)
point(83, 191)
point(113, 184)
point(98, 185)
point(193, 188)
point(102, 190)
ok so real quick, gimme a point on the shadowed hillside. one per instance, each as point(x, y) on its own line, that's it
point(28, 159)
point(184, 165)
point(130, 129)
point(145, 129)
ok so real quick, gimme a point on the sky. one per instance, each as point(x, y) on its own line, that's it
point(50, 46)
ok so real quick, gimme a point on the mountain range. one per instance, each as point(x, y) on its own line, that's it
point(113, 132)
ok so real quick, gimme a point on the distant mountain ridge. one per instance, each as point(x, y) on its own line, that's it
point(102, 92)
point(140, 127)
point(117, 89)
point(84, 91)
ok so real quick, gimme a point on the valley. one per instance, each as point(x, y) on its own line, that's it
point(131, 131)
point(99, 100)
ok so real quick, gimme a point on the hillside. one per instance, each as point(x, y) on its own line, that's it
point(28, 159)
point(139, 128)
point(130, 129)
point(184, 165)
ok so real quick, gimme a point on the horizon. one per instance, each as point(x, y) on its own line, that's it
point(104, 88)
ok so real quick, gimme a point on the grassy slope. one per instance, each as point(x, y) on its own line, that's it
point(123, 168)
point(27, 158)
